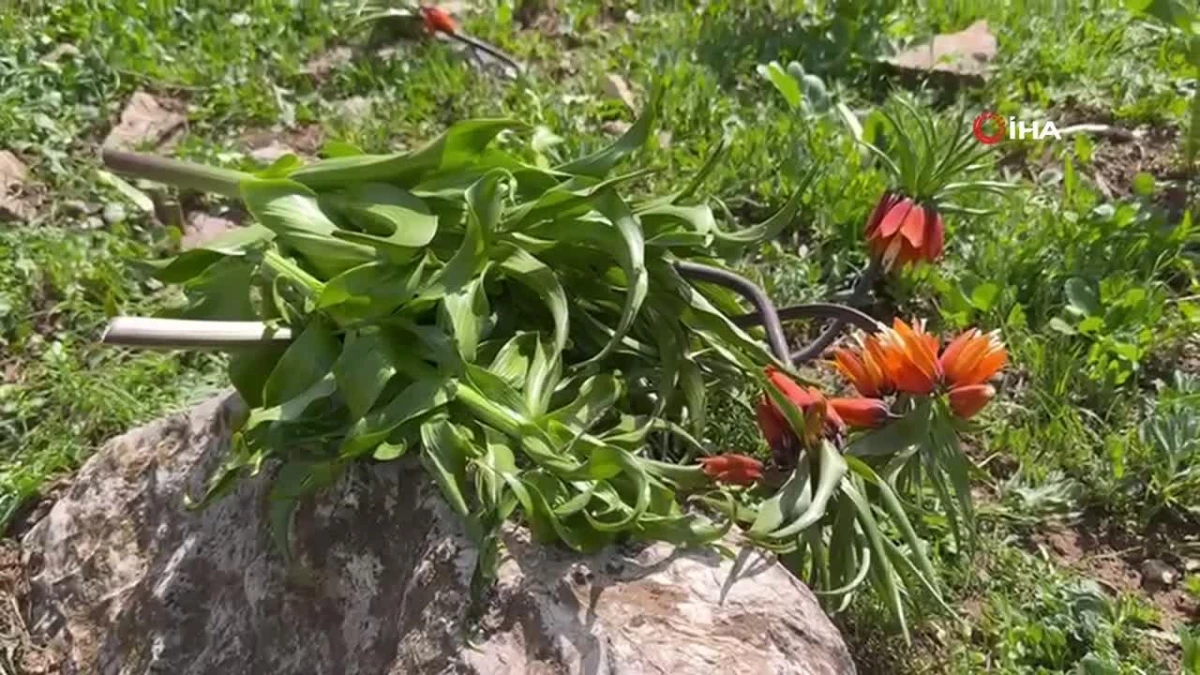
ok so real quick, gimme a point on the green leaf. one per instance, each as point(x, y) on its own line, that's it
point(1083, 297)
point(484, 203)
point(221, 292)
point(292, 212)
point(545, 370)
point(393, 219)
point(600, 163)
point(363, 370)
point(788, 503)
point(784, 83)
point(511, 363)
point(496, 389)
point(135, 196)
point(249, 369)
point(533, 273)
point(1058, 325)
point(596, 397)
point(466, 313)
point(445, 453)
point(772, 227)
point(1143, 184)
point(310, 356)
point(387, 451)
point(831, 466)
point(459, 146)
point(632, 259)
point(983, 297)
point(372, 289)
point(418, 398)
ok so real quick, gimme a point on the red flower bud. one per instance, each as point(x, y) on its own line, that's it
point(901, 231)
point(966, 401)
point(862, 413)
point(437, 20)
point(732, 469)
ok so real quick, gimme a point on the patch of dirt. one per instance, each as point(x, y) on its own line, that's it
point(1119, 155)
point(303, 140)
point(148, 121)
point(539, 15)
point(36, 508)
point(1122, 562)
point(18, 651)
point(322, 66)
point(200, 227)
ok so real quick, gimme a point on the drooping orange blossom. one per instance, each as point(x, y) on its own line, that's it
point(438, 20)
point(901, 231)
point(905, 358)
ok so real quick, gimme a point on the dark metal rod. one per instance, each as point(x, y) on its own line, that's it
point(769, 317)
point(826, 338)
point(815, 310)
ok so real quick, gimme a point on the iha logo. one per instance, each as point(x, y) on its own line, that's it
point(990, 128)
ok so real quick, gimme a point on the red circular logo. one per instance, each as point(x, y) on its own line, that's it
point(983, 136)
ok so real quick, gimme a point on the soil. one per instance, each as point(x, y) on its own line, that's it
point(1119, 154)
point(1095, 548)
point(304, 140)
point(18, 651)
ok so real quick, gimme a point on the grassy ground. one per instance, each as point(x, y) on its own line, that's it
point(1089, 460)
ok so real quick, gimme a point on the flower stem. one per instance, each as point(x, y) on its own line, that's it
point(283, 267)
point(175, 172)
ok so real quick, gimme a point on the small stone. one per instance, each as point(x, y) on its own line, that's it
point(114, 213)
point(615, 127)
point(14, 204)
point(267, 154)
point(581, 575)
point(322, 66)
point(354, 109)
point(1191, 565)
point(965, 53)
point(616, 87)
point(79, 207)
point(1158, 575)
point(146, 120)
point(199, 228)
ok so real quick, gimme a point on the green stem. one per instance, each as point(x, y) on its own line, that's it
point(488, 412)
point(281, 266)
point(175, 172)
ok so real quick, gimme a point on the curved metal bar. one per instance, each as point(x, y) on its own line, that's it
point(815, 310)
point(826, 338)
point(766, 315)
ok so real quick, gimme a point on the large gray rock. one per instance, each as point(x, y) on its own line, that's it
point(126, 580)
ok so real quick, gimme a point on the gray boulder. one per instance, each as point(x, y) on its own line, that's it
point(124, 579)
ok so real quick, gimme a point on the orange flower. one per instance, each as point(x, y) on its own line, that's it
point(820, 420)
point(910, 357)
point(973, 358)
point(970, 399)
point(901, 231)
point(865, 370)
point(773, 426)
point(732, 469)
point(862, 413)
point(437, 20)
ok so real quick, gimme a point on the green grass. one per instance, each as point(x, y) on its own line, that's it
point(1096, 297)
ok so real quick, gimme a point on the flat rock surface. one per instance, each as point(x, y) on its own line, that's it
point(124, 579)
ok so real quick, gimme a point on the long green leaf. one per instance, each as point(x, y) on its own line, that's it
point(457, 147)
